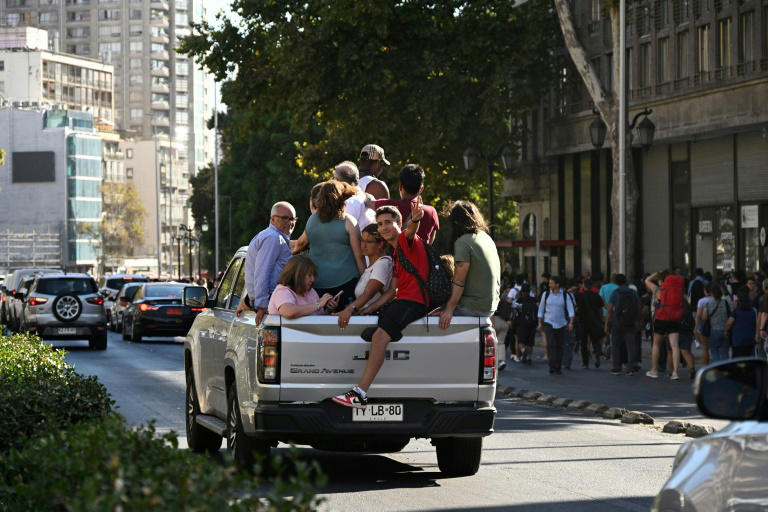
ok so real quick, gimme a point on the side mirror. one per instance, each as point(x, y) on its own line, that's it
point(195, 296)
point(732, 390)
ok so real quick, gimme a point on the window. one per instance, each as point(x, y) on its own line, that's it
point(135, 30)
point(702, 49)
point(239, 289)
point(156, 97)
point(182, 19)
point(136, 96)
point(662, 61)
point(643, 14)
point(15, 3)
point(724, 47)
point(79, 33)
point(182, 118)
point(135, 64)
point(49, 2)
point(182, 67)
point(135, 14)
point(129, 172)
point(137, 113)
point(746, 37)
point(109, 31)
point(135, 80)
point(227, 282)
point(109, 52)
point(136, 47)
point(644, 66)
point(109, 14)
point(682, 55)
point(129, 153)
point(681, 11)
point(13, 19)
point(159, 47)
point(2, 65)
point(2, 87)
point(182, 84)
point(49, 17)
point(662, 13)
point(630, 78)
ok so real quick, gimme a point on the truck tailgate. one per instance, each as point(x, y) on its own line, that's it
point(318, 360)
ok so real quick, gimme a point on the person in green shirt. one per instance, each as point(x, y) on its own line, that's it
point(477, 274)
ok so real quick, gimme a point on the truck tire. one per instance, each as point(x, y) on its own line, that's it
point(98, 342)
point(459, 456)
point(242, 447)
point(199, 438)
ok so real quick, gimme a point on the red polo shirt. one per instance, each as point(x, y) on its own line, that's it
point(408, 288)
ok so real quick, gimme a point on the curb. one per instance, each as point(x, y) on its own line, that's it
point(692, 430)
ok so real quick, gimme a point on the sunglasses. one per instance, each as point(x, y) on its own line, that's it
point(287, 217)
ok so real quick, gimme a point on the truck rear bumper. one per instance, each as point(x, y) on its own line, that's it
point(304, 423)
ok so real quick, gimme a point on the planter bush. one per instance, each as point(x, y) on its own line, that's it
point(40, 391)
point(102, 465)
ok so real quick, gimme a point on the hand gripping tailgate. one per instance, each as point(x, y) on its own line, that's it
point(318, 360)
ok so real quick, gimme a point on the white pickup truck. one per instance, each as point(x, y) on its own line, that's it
point(260, 384)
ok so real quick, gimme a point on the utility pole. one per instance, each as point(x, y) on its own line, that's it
point(622, 137)
point(216, 176)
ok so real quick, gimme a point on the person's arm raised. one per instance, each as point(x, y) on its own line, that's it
point(417, 212)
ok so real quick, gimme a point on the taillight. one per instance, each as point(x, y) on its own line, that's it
point(489, 358)
point(198, 310)
point(269, 355)
point(146, 307)
point(36, 301)
point(95, 300)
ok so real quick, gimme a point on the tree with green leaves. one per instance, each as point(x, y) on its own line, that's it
point(122, 226)
point(2, 157)
point(425, 80)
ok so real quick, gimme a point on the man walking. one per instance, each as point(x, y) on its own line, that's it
point(372, 160)
point(621, 322)
point(555, 314)
point(267, 254)
point(590, 307)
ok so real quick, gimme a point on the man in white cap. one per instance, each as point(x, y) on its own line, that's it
point(372, 160)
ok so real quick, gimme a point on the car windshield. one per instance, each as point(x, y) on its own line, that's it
point(166, 292)
point(118, 282)
point(67, 284)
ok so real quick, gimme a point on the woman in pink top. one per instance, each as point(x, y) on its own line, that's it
point(294, 297)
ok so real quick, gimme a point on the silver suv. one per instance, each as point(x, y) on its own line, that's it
point(66, 307)
point(109, 286)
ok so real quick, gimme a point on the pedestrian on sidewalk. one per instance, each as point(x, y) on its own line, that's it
point(590, 306)
point(556, 314)
point(572, 337)
point(606, 290)
point(667, 320)
point(525, 323)
point(742, 325)
point(715, 317)
point(621, 321)
point(687, 326)
point(762, 323)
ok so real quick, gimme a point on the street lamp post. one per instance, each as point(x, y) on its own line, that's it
point(179, 238)
point(507, 155)
point(188, 236)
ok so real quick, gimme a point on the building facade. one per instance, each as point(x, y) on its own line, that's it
point(52, 192)
point(701, 66)
point(157, 91)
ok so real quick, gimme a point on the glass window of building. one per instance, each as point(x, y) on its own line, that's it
point(135, 30)
point(182, 19)
point(49, 17)
point(79, 33)
point(702, 50)
point(136, 80)
point(682, 55)
point(662, 61)
point(135, 14)
point(129, 173)
point(137, 113)
point(724, 46)
point(49, 2)
point(644, 66)
point(182, 118)
point(182, 84)
point(109, 31)
point(136, 47)
point(109, 14)
point(746, 37)
point(135, 63)
point(78, 16)
point(182, 67)
point(136, 96)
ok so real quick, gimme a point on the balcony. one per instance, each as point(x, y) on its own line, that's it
point(160, 121)
point(161, 105)
point(160, 55)
point(160, 88)
point(161, 72)
point(161, 38)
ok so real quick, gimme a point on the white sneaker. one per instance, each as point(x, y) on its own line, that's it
point(652, 374)
point(515, 358)
point(673, 376)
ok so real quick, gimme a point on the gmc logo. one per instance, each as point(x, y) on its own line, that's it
point(395, 355)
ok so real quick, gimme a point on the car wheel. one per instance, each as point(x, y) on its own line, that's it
point(67, 307)
point(98, 342)
point(136, 334)
point(110, 323)
point(459, 456)
point(240, 445)
point(199, 438)
point(125, 331)
point(119, 324)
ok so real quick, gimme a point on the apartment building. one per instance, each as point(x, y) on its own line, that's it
point(701, 66)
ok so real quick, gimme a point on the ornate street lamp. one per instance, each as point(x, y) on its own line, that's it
point(507, 156)
point(597, 130)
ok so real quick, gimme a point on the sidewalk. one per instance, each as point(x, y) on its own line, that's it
point(662, 398)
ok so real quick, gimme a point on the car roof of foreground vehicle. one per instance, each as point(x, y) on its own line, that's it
point(165, 283)
point(65, 276)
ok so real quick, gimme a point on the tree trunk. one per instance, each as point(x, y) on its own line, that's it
point(608, 108)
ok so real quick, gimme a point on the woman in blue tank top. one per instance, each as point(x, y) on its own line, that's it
point(334, 243)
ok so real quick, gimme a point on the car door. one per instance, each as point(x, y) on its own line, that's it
point(214, 348)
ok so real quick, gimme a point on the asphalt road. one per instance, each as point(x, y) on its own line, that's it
point(539, 459)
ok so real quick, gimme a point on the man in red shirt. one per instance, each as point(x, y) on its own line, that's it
point(411, 186)
point(409, 303)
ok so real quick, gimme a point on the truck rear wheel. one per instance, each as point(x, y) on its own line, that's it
point(242, 447)
point(199, 438)
point(459, 456)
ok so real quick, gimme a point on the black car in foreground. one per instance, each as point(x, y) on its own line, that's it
point(157, 310)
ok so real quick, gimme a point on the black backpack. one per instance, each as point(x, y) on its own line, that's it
point(627, 309)
point(529, 312)
point(436, 290)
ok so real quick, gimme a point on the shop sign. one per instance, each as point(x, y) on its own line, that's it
point(705, 226)
point(749, 216)
point(726, 235)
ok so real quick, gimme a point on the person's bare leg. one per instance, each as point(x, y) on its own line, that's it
point(688, 357)
point(674, 342)
point(375, 358)
point(704, 340)
point(655, 351)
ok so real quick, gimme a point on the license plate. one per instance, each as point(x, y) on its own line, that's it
point(173, 311)
point(379, 412)
point(66, 330)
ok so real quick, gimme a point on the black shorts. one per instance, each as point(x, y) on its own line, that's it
point(685, 341)
point(526, 335)
point(395, 316)
point(666, 327)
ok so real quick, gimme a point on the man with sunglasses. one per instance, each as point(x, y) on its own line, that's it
point(267, 254)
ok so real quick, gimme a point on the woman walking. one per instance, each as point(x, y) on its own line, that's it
point(742, 325)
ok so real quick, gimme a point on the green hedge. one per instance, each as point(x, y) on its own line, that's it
point(40, 391)
point(102, 465)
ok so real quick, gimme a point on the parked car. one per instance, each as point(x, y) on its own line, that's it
point(257, 385)
point(13, 283)
point(65, 307)
point(124, 298)
point(109, 286)
point(724, 471)
point(157, 310)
